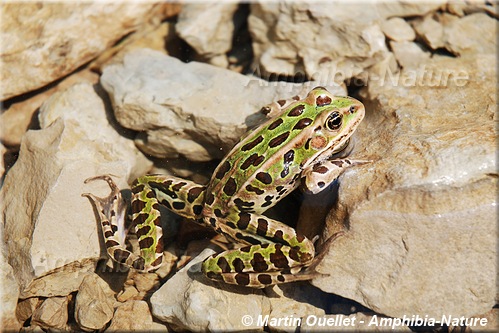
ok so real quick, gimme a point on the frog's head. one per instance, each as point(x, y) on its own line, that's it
point(336, 120)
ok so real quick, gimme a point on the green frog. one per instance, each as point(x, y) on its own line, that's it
point(296, 146)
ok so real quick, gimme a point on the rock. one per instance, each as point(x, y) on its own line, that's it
point(340, 48)
point(471, 34)
point(421, 233)
point(409, 54)
point(196, 116)
point(94, 303)
point(52, 313)
point(397, 29)
point(144, 282)
point(25, 308)
point(42, 191)
point(401, 8)
point(294, 301)
point(431, 32)
point(45, 41)
point(9, 293)
point(129, 292)
point(208, 28)
point(133, 316)
point(189, 301)
point(357, 322)
point(20, 116)
point(464, 8)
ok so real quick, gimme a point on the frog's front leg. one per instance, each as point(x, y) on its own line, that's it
point(278, 254)
point(320, 175)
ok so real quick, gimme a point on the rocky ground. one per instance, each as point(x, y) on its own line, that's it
point(126, 89)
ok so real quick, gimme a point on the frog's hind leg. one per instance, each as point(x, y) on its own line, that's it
point(258, 266)
point(275, 252)
point(112, 214)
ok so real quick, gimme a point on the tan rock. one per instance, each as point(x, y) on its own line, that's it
point(189, 301)
point(409, 54)
point(133, 316)
point(146, 281)
point(25, 308)
point(128, 292)
point(9, 293)
point(42, 191)
point(195, 117)
point(426, 204)
point(45, 41)
point(357, 322)
point(52, 313)
point(94, 303)
point(397, 29)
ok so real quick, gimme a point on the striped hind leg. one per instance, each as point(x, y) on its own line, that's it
point(112, 214)
point(277, 254)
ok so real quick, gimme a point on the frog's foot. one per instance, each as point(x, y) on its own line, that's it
point(259, 266)
point(112, 214)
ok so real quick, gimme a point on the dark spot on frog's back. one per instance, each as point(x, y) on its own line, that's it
point(303, 123)
point(223, 264)
point(264, 279)
point(258, 263)
point(296, 111)
point(223, 169)
point(278, 140)
point(252, 144)
point(146, 243)
point(275, 124)
point(230, 187)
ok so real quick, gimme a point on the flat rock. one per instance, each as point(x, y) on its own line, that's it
point(9, 293)
point(189, 301)
point(204, 111)
point(397, 29)
point(421, 234)
point(46, 41)
point(409, 54)
point(42, 191)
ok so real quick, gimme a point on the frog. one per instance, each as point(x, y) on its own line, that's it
point(298, 146)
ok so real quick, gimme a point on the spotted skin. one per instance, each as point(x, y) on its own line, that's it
point(295, 147)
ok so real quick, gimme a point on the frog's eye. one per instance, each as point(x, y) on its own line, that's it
point(334, 121)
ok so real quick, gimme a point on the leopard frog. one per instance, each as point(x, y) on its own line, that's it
point(294, 147)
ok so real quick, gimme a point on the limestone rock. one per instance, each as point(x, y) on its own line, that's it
point(9, 292)
point(471, 34)
point(201, 114)
point(129, 292)
point(26, 308)
point(421, 234)
point(52, 313)
point(134, 316)
point(339, 49)
point(46, 41)
point(94, 303)
point(397, 29)
point(189, 301)
point(20, 115)
point(208, 28)
point(47, 223)
point(409, 54)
